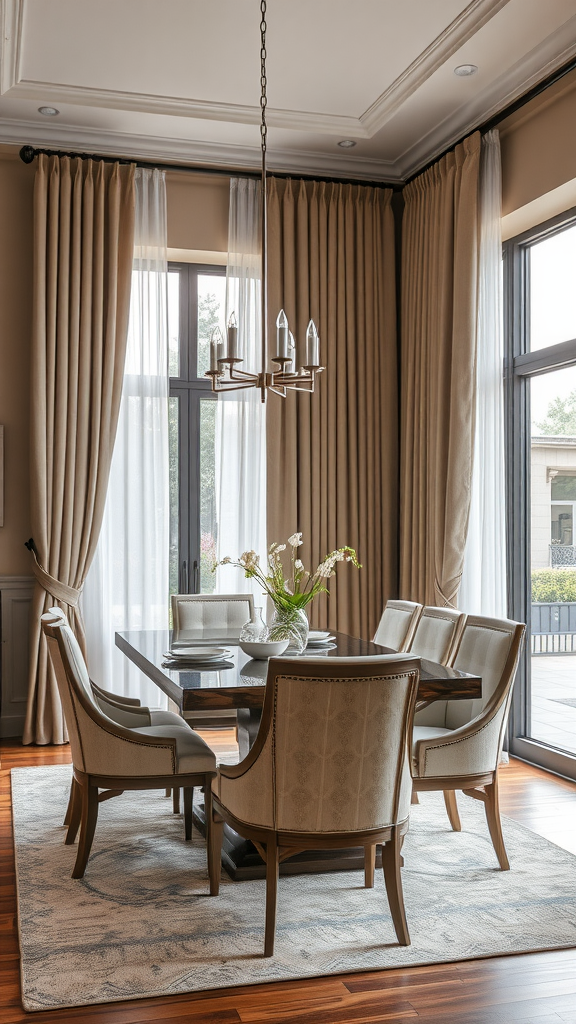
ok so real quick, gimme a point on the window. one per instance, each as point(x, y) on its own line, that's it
point(195, 306)
point(541, 393)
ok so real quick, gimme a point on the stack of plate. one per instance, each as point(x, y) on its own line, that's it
point(177, 656)
point(320, 638)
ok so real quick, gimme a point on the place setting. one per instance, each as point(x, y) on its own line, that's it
point(186, 657)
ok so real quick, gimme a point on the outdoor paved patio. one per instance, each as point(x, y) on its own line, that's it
point(554, 681)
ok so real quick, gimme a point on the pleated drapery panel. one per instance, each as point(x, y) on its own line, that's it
point(333, 455)
point(440, 253)
point(83, 247)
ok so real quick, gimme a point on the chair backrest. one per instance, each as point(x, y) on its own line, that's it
point(333, 749)
point(225, 612)
point(489, 648)
point(397, 625)
point(437, 634)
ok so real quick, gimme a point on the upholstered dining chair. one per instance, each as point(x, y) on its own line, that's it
point(437, 634)
point(459, 746)
point(397, 625)
point(329, 769)
point(225, 612)
point(110, 757)
point(129, 712)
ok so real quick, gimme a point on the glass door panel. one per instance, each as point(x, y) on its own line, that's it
point(551, 715)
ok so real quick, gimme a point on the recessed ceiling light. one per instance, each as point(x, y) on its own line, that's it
point(48, 111)
point(464, 70)
point(347, 143)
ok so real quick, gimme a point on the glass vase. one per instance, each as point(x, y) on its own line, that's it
point(255, 630)
point(290, 624)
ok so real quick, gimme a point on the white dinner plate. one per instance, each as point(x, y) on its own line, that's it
point(320, 643)
point(197, 654)
point(318, 634)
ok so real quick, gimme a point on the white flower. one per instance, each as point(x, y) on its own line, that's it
point(226, 560)
point(295, 540)
point(298, 564)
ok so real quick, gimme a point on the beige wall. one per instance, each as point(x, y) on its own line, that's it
point(539, 145)
point(197, 211)
point(16, 184)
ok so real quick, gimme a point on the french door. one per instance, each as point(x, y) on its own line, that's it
point(540, 374)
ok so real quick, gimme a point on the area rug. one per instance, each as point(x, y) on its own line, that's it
point(141, 923)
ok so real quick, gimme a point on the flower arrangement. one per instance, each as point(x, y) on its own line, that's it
point(299, 587)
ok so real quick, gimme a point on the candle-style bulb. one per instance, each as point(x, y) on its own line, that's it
point(216, 348)
point(232, 337)
point(312, 345)
point(282, 332)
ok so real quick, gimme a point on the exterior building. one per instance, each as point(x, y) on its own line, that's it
point(553, 517)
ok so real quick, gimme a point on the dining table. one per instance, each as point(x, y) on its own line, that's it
point(238, 681)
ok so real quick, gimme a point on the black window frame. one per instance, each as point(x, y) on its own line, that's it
point(520, 366)
point(190, 391)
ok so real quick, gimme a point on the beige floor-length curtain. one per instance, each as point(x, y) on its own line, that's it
point(333, 456)
point(83, 248)
point(439, 306)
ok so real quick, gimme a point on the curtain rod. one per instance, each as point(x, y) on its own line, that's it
point(28, 153)
point(497, 119)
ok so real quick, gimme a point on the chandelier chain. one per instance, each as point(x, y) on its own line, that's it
point(263, 79)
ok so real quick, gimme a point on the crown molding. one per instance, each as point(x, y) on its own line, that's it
point(468, 22)
point(190, 152)
point(10, 44)
point(233, 113)
point(554, 51)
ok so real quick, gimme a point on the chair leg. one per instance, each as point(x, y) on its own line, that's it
point(87, 828)
point(70, 802)
point(414, 798)
point(492, 808)
point(176, 800)
point(369, 865)
point(393, 882)
point(188, 801)
point(272, 872)
point(74, 814)
point(167, 792)
point(452, 809)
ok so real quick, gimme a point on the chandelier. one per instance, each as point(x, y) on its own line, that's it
point(224, 371)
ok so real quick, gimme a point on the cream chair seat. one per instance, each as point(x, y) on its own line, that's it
point(329, 769)
point(110, 757)
point(397, 625)
point(225, 613)
point(459, 745)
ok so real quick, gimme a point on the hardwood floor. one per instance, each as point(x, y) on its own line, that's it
point(537, 988)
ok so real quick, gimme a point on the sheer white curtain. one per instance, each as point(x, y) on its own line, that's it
point(483, 587)
point(127, 587)
point(240, 419)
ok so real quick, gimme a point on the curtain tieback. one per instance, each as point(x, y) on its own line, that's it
point(59, 591)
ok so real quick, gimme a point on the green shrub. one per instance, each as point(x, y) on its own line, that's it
point(554, 585)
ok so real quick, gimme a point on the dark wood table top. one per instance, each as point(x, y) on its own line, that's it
point(240, 681)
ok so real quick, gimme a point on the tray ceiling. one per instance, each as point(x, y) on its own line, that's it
point(178, 80)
